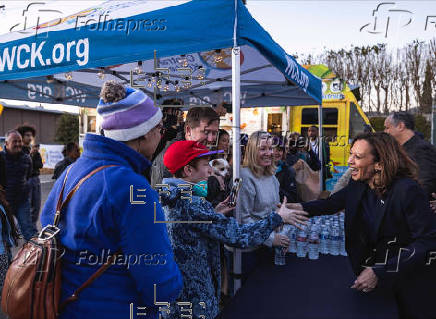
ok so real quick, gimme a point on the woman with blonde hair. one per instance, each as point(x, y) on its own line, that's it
point(259, 196)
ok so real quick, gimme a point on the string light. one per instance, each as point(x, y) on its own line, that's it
point(100, 74)
point(218, 58)
point(159, 83)
point(183, 61)
point(69, 75)
point(138, 69)
point(50, 78)
point(176, 86)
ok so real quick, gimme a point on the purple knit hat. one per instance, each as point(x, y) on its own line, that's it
point(129, 118)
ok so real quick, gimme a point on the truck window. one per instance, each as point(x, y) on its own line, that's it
point(357, 123)
point(309, 117)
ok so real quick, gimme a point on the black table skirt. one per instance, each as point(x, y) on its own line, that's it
point(306, 288)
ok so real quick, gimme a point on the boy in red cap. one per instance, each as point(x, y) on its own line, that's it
point(196, 229)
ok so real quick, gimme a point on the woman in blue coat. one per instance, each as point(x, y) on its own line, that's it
point(390, 229)
point(115, 210)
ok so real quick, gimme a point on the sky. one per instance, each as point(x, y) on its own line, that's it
point(304, 27)
point(300, 27)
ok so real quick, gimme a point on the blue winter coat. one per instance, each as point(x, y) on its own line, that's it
point(196, 246)
point(100, 219)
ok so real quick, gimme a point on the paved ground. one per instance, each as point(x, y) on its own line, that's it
point(46, 186)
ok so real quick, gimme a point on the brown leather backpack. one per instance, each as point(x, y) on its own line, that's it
point(32, 286)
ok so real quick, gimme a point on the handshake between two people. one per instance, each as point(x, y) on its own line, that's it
point(293, 214)
point(290, 215)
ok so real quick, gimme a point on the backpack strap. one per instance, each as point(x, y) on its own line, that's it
point(59, 207)
point(90, 280)
point(61, 204)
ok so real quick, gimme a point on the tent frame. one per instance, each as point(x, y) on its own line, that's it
point(236, 108)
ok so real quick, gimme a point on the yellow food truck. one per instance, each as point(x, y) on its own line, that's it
point(343, 117)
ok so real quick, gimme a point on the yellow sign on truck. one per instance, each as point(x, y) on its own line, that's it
point(343, 118)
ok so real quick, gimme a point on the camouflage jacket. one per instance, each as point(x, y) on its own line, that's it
point(196, 245)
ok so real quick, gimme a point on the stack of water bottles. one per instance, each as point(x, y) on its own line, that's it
point(322, 234)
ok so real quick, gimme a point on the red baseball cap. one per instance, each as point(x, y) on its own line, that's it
point(180, 153)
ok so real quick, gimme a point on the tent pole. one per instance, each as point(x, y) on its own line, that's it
point(433, 122)
point(320, 148)
point(287, 121)
point(236, 91)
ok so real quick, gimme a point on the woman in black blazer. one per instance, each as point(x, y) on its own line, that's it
point(390, 229)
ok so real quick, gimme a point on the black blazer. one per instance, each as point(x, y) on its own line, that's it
point(405, 228)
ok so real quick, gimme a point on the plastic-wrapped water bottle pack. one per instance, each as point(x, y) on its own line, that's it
point(321, 235)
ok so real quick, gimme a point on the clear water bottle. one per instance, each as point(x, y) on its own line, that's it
point(324, 240)
point(302, 242)
point(313, 244)
point(334, 240)
point(280, 256)
point(292, 234)
point(280, 252)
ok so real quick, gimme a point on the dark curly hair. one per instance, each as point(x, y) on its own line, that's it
point(392, 157)
point(23, 129)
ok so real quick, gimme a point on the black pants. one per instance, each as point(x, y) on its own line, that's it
point(416, 295)
point(250, 262)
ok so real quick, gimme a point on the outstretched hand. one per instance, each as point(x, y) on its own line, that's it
point(292, 216)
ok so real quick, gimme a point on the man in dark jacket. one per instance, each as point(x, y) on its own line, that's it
point(18, 167)
point(71, 154)
point(298, 148)
point(401, 126)
point(286, 175)
point(202, 124)
point(28, 134)
point(313, 137)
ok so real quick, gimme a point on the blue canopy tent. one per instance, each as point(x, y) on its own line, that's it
point(196, 50)
point(195, 35)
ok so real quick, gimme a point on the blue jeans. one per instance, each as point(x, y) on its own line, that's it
point(22, 212)
point(35, 198)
